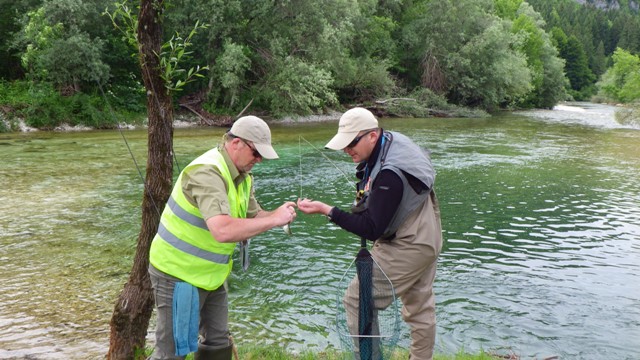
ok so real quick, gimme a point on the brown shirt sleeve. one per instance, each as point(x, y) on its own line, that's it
point(203, 187)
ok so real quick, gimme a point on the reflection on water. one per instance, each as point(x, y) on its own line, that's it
point(541, 220)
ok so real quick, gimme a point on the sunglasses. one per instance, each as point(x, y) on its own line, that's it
point(256, 154)
point(357, 139)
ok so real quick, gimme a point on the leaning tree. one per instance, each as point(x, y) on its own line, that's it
point(134, 306)
point(162, 74)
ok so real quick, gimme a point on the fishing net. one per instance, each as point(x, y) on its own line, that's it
point(367, 317)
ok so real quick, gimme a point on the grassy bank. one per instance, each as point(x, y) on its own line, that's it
point(279, 354)
point(40, 106)
point(275, 353)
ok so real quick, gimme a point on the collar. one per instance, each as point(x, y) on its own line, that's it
point(373, 158)
point(237, 176)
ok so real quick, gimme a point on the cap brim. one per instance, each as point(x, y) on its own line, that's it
point(341, 140)
point(266, 151)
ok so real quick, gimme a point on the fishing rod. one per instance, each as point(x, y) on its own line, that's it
point(287, 227)
point(135, 162)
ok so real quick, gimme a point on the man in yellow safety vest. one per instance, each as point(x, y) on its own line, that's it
point(211, 208)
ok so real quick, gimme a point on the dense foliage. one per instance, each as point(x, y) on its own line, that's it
point(64, 61)
point(621, 82)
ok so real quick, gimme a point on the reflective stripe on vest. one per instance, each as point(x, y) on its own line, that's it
point(190, 249)
point(185, 216)
point(184, 247)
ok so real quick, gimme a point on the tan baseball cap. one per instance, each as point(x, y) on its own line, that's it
point(257, 131)
point(351, 123)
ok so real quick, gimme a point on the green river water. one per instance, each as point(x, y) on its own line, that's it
point(540, 213)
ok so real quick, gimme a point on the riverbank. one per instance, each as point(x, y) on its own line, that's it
point(182, 121)
point(14, 117)
point(624, 114)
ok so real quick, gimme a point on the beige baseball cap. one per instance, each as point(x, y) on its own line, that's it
point(257, 131)
point(351, 123)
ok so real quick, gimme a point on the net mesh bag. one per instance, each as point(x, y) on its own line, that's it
point(367, 318)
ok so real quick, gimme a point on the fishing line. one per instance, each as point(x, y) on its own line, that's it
point(135, 162)
point(300, 169)
point(162, 115)
point(351, 184)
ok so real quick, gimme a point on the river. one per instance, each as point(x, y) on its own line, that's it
point(540, 213)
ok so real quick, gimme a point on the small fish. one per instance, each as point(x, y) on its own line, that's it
point(287, 229)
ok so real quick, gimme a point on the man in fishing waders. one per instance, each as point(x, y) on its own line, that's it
point(211, 208)
point(395, 207)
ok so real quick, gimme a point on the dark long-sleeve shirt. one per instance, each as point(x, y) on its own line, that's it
point(384, 200)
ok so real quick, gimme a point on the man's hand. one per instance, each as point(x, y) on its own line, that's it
point(309, 206)
point(285, 214)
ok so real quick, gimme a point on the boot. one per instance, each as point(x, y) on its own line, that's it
point(214, 354)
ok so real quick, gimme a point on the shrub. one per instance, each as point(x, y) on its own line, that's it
point(41, 106)
point(296, 87)
point(46, 108)
point(365, 79)
point(423, 103)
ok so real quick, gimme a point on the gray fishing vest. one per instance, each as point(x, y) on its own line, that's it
point(401, 155)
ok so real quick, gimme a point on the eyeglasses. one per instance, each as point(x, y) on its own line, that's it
point(256, 154)
point(358, 138)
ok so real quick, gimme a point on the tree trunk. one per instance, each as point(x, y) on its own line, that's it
point(134, 306)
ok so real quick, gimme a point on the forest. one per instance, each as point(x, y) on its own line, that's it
point(76, 61)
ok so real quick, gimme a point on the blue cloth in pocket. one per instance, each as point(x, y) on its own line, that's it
point(185, 318)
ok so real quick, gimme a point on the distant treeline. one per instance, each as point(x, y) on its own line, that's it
point(308, 56)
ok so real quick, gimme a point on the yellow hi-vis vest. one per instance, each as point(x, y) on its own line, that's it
point(184, 247)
